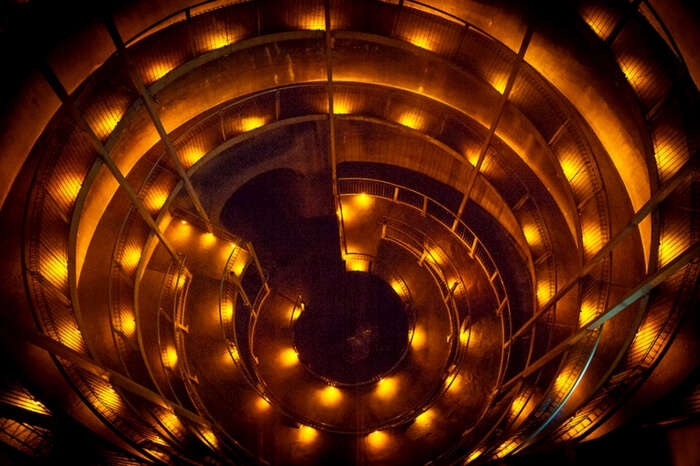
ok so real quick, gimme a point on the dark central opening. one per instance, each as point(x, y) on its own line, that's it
point(354, 329)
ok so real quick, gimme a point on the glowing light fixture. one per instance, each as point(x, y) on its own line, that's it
point(288, 357)
point(386, 388)
point(261, 404)
point(251, 123)
point(377, 439)
point(418, 338)
point(411, 119)
point(330, 396)
point(307, 434)
point(170, 357)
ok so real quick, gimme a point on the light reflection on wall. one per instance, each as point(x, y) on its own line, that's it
point(418, 338)
point(386, 388)
point(330, 396)
point(377, 439)
point(170, 357)
point(288, 357)
point(307, 434)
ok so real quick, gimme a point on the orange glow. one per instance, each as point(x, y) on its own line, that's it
point(316, 22)
point(499, 82)
point(411, 119)
point(170, 357)
point(592, 238)
point(637, 73)
point(421, 40)
point(288, 357)
point(191, 155)
point(425, 418)
point(233, 352)
point(71, 336)
point(595, 19)
point(170, 421)
point(587, 313)
point(570, 166)
point(239, 262)
point(644, 338)
point(55, 269)
point(155, 199)
point(399, 288)
point(386, 388)
point(210, 437)
point(251, 123)
point(363, 201)
point(518, 404)
point(295, 312)
point(506, 447)
point(105, 126)
point(453, 383)
point(217, 41)
point(207, 239)
point(418, 338)
point(473, 455)
point(356, 264)
point(307, 434)
point(128, 323)
point(330, 396)
point(544, 293)
point(157, 71)
point(377, 439)
point(464, 336)
point(130, 258)
point(108, 396)
point(671, 244)
point(261, 404)
point(71, 187)
point(564, 381)
point(532, 235)
point(342, 106)
point(226, 311)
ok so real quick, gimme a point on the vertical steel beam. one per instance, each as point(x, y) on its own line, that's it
point(155, 117)
point(67, 101)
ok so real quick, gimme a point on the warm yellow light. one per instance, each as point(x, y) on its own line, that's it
point(191, 155)
point(307, 434)
point(239, 263)
point(363, 200)
point(591, 237)
point(130, 258)
point(170, 357)
point(418, 338)
point(207, 239)
point(532, 235)
point(425, 418)
point(157, 71)
point(155, 199)
point(563, 381)
point(377, 439)
point(644, 338)
point(261, 404)
point(106, 125)
point(294, 312)
point(217, 41)
point(71, 336)
point(506, 447)
point(544, 292)
point(356, 265)
point(499, 81)
point(473, 455)
point(342, 107)
point(210, 438)
point(128, 323)
point(386, 388)
point(233, 352)
point(518, 404)
point(453, 383)
point(226, 311)
point(170, 421)
point(411, 119)
point(55, 269)
point(288, 357)
point(464, 336)
point(330, 396)
point(569, 166)
point(421, 40)
point(108, 396)
point(636, 73)
point(399, 288)
point(587, 313)
point(671, 244)
point(315, 22)
point(251, 123)
point(70, 187)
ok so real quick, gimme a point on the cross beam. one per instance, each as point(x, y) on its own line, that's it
point(102, 152)
point(155, 118)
